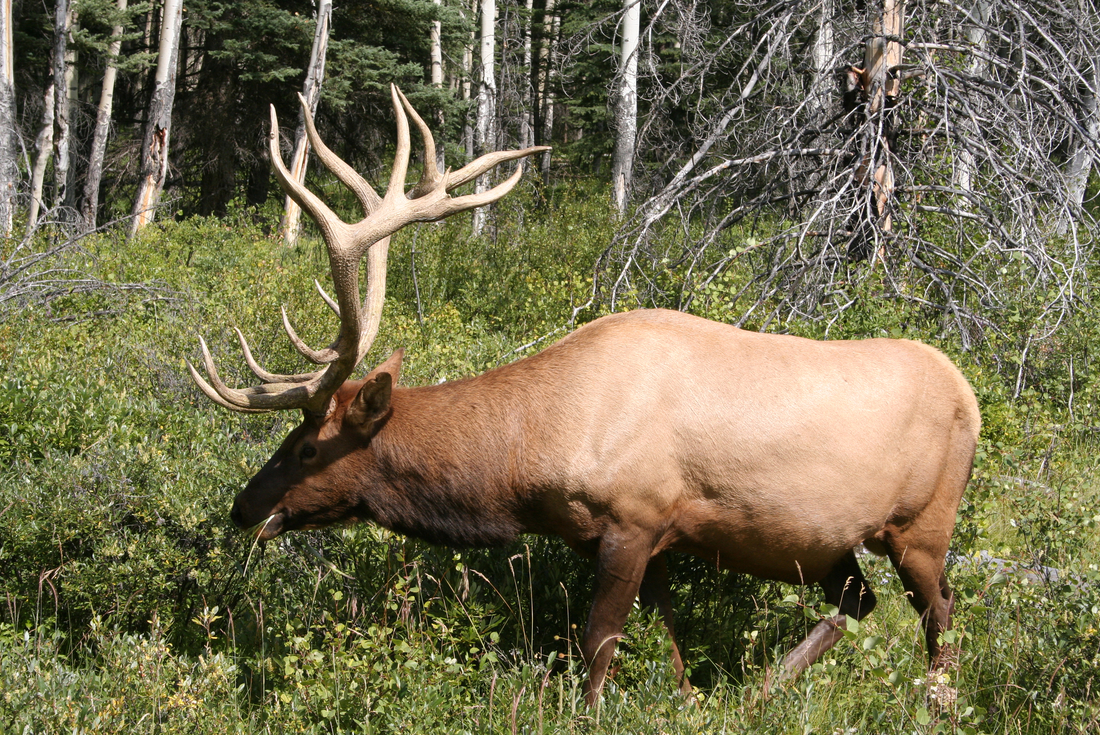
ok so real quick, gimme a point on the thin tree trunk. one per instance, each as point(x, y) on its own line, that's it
point(44, 144)
point(437, 80)
point(9, 145)
point(882, 55)
point(977, 35)
point(1081, 161)
point(486, 102)
point(626, 106)
point(72, 105)
point(822, 56)
point(526, 133)
point(311, 90)
point(552, 28)
point(467, 85)
point(158, 125)
point(102, 126)
point(62, 103)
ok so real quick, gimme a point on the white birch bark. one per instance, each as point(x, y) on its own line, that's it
point(44, 145)
point(311, 90)
point(821, 57)
point(102, 126)
point(977, 36)
point(467, 84)
point(62, 102)
point(9, 147)
point(626, 106)
point(486, 102)
point(553, 28)
point(437, 80)
point(1082, 159)
point(526, 132)
point(158, 126)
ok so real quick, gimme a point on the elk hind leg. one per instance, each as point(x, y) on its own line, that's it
point(920, 567)
point(846, 588)
point(655, 595)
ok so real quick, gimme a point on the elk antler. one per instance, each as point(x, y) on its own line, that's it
point(428, 201)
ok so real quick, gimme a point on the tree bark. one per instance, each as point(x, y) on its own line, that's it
point(977, 34)
point(882, 54)
point(822, 57)
point(62, 103)
point(486, 103)
point(626, 106)
point(1081, 161)
point(311, 90)
point(90, 204)
point(526, 133)
point(437, 80)
point(9, 145)
point(158, 125)
point(467, 84)
point(552, 28)
point(44, 145)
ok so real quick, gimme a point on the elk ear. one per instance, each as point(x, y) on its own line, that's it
point(371, 404)
point(392, 365)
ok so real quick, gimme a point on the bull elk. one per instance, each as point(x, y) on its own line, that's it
point(638, 433)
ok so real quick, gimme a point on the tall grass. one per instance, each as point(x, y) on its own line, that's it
point(132, 605)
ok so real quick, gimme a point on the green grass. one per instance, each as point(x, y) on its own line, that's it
point(131, 604)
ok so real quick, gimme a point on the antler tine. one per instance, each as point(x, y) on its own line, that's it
point(430, 176)
point(265, 375)
point(471, 201)
point(477, 167)
point(328, 299)
point(404, 147)
point(364, 192)
point(213, 394)
point(310, 395)
point(317, 357)
point(307, 200)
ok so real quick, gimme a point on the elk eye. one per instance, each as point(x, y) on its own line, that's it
point(307, 452)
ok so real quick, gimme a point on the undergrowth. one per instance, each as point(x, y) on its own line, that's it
point(131, 604)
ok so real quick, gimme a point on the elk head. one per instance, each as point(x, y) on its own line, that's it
point(301, 485)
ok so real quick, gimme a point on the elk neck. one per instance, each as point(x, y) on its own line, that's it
point(449, 467)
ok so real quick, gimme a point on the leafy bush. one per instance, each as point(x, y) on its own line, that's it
point(131, 604)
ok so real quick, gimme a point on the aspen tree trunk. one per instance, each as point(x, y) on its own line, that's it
point(437, 81)
point(9, 146)
point(821, 56)
point(467, 85)
point(1081, 161)
point(311, 90)
point(526, 133)
point(102, 126)
point(626, 106)
point(72, 103)
point(486, 102)
point(552, 27)
point(62, 103)
point(962, 177)
point(158, 125)
point(44, 145)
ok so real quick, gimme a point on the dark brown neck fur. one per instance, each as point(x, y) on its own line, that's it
point(450, 465)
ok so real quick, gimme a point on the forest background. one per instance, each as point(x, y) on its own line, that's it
point(825, 168)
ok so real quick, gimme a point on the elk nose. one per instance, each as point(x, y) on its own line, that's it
point(235, 516)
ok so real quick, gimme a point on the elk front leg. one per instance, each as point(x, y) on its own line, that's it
point(655, 594)
point(620, 566)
